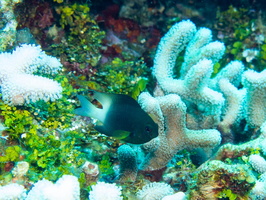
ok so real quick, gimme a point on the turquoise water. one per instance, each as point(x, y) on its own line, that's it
point(195, 67)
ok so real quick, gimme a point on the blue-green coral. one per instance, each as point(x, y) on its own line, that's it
point(128, 164)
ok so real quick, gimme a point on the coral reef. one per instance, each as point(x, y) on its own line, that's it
point(236, 159)
point(171, 112)
point(91, 171)
point(12, 191)
point(176, 196)
point(38, 135)
point(18, 84)
point(198, 102)
point(8, 24)
point(67, 187)
point(196, 111)
point(216, 179)
point(113, 191)
point(210, 108)
point(128, 165)
point(154, 191)
point(82, 41)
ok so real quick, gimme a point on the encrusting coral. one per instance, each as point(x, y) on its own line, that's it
point(18, 84)
point(216, 178)
point(91, 171)
point(229, 173)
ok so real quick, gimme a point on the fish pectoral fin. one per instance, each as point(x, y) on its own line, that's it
point(120, 134)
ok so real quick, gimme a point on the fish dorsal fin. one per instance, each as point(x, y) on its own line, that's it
point(107, 99)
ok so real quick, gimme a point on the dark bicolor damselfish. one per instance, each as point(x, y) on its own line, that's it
point(120, 117)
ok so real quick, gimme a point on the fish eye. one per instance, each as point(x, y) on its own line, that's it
point(148, 129)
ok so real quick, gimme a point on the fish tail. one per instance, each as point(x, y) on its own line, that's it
point(86, 109)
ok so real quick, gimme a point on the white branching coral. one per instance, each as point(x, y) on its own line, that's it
point(197, 68)
point(195, 110)
point(258, 192)
point(176, 196)
point(256, 97)
point(67, 188)
point(258, 163)
point(19, 85)
point(172, 114)
point(12, 191)
point(105, 191)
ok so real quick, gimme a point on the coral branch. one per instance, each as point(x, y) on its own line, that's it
point(176, 136)
point(19, 85)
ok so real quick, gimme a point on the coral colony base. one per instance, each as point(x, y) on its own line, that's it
point(192, 112)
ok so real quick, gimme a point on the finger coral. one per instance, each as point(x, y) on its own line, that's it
point(196, 110)
point(172, 111)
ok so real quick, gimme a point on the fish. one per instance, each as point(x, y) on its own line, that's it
point(119, 116)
